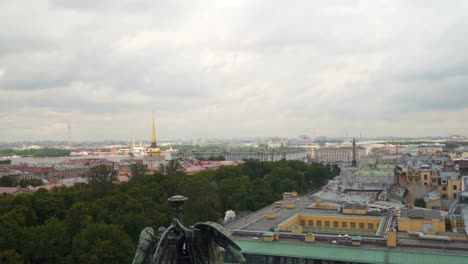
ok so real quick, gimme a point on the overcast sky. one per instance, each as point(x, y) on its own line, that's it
point(232, 68)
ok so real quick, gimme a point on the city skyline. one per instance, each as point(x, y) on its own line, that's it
point(232, 69)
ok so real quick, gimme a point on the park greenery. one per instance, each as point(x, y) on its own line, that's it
point(214, 158)
point(100, 222)
point(30, 182)
point(5, 162)
point(7, 181)
point(419, 202)
point(37, 153)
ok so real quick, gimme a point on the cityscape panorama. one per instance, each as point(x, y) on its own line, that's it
point(173, 132)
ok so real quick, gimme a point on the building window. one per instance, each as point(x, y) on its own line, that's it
point(425, 177)
point(454, 195)
point(302, 222)
point(353, 225)
point(327, 223)
point(311, 222)
point(319, 223)
point(370, 226)
point(344, 224)
point(361, 226)
point(444, 188)
point(434, 180)
point(454, 187)
point(335, 223)
point(444, 196)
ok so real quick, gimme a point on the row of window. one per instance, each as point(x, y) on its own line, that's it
point(336, 224)
point(454, 187)
point(444, 196)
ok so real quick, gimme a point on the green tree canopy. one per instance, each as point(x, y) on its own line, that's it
point(6, 181)
point(101, 179)
point(138, 171)
point(100, 222)
point(103, 243)
point(46, 243)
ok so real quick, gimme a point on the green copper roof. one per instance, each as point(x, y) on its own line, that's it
point(346, 253)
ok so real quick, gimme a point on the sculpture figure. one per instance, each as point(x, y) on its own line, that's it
point(178, 244)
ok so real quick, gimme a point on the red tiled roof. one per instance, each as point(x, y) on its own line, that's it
point(8, 189)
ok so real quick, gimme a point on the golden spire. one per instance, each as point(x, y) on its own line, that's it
point(153, 135)
point(154, 146)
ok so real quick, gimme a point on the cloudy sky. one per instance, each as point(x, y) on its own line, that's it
point(232, 68)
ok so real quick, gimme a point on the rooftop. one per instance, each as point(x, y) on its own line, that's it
point(257, 221)
point(346, 253)
point(420, 214)
point(449, 175)
point(354, 206)
point(8, 189)
point(434, 195)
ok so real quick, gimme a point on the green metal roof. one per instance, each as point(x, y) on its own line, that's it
point(346, 253)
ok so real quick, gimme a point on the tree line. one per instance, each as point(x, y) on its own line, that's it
point(100, 222)
point(37, 153)
point(7, 181)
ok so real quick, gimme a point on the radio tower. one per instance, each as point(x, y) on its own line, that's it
point(69, 134)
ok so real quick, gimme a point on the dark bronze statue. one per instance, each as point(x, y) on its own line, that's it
point(178, 244)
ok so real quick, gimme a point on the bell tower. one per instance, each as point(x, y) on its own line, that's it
point(153, 156)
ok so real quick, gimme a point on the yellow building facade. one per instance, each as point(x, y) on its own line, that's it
point(423, 177)
point(333, 223)
point(416, 225)
point(391, 238)
point(450, 190)
point(425, 221)
point(436, 203)
point(358, 210)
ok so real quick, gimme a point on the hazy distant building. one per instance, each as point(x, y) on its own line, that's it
point(153, 157)
point(272, 154)
point(341, 154)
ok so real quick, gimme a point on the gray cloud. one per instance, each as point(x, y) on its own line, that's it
point(230, 69)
